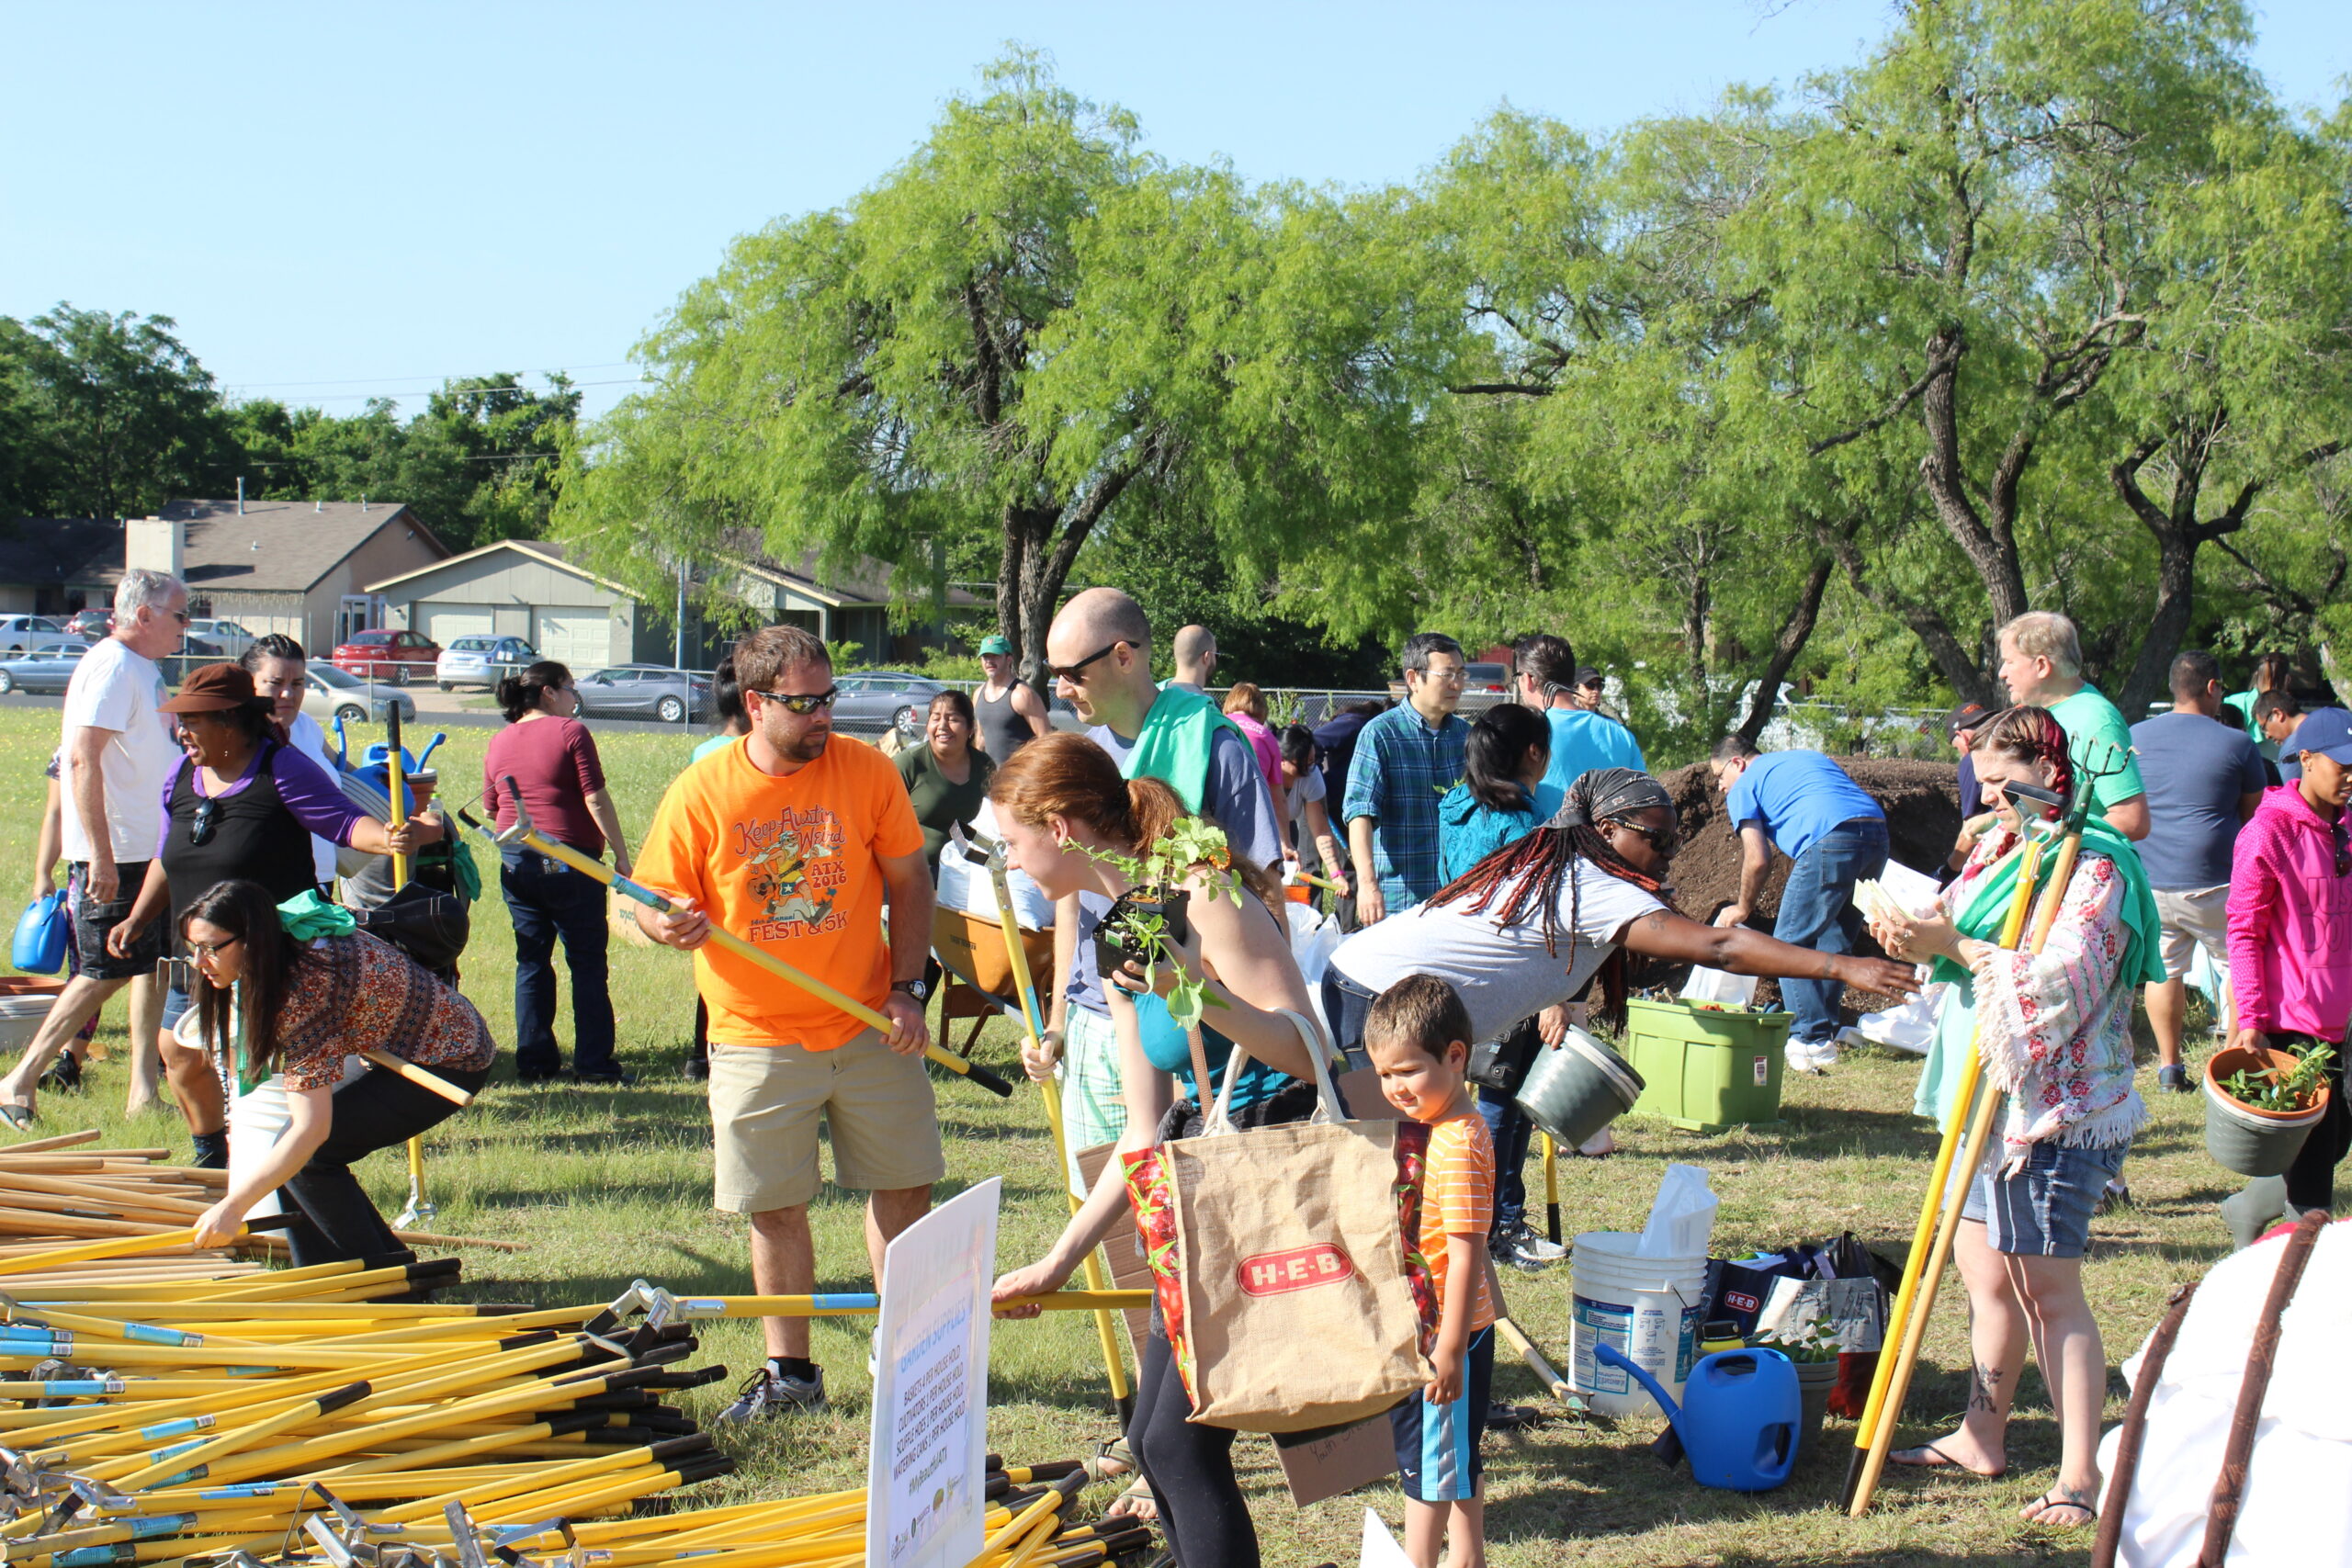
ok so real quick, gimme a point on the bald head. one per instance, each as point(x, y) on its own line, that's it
point(1103, 636)
point(1195, 651)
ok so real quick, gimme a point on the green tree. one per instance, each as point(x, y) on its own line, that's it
point(104, 415)
point(1027, 329)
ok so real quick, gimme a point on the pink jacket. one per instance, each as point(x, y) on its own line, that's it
point(2290, 921)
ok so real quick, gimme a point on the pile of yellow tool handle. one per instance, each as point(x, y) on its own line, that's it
point(178, 1405)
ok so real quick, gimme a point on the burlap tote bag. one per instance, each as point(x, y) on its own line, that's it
point(1286, 1261)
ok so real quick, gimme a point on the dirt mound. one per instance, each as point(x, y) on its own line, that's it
point(1922, 804)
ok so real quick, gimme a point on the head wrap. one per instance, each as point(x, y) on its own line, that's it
point(1604, 794)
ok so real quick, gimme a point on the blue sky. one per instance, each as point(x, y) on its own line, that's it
point(336, 200)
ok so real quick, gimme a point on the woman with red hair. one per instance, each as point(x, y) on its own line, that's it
point(2054, 1029)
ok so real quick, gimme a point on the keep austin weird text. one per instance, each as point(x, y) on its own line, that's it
point(795, 865)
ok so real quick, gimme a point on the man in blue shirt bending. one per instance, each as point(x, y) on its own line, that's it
point(1803, 804)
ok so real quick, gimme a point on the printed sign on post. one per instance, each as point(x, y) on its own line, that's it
point(926, 1467)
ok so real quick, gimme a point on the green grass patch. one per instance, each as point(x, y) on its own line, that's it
point(605, 1186)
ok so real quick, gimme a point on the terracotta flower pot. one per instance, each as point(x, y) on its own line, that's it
point(2244, 1138)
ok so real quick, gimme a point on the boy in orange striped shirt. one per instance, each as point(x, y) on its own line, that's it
point(1418, 1036)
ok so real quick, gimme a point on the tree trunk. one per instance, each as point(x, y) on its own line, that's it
point(1988, 540)
point(1795, 632)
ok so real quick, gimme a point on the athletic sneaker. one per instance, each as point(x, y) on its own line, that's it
point(2175, 1079)
point(64, 1075)
point(768, 1392)
point(1533, 1244)
point(1811, 1056)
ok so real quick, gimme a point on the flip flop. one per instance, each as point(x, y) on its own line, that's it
point(1942, 1461)
point(2038, 1510)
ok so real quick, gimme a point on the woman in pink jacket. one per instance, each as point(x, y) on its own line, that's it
point(2291, 954)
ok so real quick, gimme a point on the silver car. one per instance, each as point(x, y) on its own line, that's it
point(43, 670)
point(481, 661)
point(330, 694)
point(229, 637)
point(644, 691)
point(876, 700)
point(23, 634)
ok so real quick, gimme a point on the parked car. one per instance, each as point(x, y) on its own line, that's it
point(229, 637)
point(481, 661)
point(644, 691)
point(331, 694)
point(396, 656)
point(22, 634)
point(93, 623)
point(43, 670)
point(884, 699)
point(1485, 683)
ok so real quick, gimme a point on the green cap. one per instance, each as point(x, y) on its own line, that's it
point(996, 645)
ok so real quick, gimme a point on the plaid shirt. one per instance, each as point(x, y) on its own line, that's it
point(1403, 765)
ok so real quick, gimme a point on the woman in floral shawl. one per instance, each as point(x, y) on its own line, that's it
point(2054, 1031)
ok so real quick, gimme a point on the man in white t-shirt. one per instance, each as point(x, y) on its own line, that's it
point(118, 751)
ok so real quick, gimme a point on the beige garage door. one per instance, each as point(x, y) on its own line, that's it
point(581, 636)
point(445, 624)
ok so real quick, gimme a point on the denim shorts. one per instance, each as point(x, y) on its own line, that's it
point(2044, 1210)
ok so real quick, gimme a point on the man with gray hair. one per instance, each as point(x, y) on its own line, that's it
point(2042, 664)
point(1195, 651)
point(118, 749)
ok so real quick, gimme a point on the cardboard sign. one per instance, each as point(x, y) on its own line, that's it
point(926, 1465)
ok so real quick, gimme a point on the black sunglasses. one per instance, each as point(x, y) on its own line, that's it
point(801, 702)
point(199, 831)
point(1075, 673)
point(1662, 839)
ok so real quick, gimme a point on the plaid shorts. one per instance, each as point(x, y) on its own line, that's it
point(1093, 1111)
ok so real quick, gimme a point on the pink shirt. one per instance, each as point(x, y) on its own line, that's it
point(554, 760)
point(2290, 921)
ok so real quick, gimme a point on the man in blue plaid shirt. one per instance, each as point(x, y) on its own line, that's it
point(1405, 761)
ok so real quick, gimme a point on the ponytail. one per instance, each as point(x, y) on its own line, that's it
point(1069, 775)
point(519, 695)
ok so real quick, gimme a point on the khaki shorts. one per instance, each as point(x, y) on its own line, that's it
point(2187, 917)
point(764, 1104)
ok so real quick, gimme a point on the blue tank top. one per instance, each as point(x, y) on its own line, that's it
point(1164, 1043)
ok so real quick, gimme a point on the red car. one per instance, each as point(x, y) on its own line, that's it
point(397, 656)
point(94, 622)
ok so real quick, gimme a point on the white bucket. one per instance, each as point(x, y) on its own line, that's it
point(21, 1018)
point(1646, 1307)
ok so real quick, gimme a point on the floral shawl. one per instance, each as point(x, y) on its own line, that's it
point(2054, 1028)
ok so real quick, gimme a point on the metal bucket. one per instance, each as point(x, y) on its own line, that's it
point(1577, 1088)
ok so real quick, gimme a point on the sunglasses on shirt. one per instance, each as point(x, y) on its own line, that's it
point(207, 811)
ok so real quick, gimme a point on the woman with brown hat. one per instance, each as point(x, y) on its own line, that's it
point(242, 804)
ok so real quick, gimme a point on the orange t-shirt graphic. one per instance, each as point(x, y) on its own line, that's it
point(792, 865)
point(1458, 1199)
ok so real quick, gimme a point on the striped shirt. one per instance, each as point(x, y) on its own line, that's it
point(1403, 767)
point(1458, 1199)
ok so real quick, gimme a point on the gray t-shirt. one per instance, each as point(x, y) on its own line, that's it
point(1235, 798)
point(2195, 769)
point(1502, 972)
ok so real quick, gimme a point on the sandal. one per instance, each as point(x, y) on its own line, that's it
point(2041, 1508)
point(1135, 1502)
point(1940, 1460)
point(18, 1117)
point(1112, 1460)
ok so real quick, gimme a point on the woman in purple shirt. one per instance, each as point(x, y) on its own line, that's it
point(242, 804)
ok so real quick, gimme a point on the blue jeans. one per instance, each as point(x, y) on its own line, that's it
point(1345, 1007)
point(1817, 911)
point(1507, 1125)
point(549, 901)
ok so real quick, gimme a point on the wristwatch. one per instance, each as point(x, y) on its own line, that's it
point(919, 989)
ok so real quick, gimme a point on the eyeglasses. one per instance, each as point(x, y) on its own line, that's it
point(213, 949)
point(1662, 839)
point(1075, 673)
point(801, 702)
point(199, 831)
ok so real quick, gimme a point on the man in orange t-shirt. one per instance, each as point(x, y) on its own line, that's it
point(796, 839)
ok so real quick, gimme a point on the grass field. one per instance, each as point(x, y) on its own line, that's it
point(607, 1186)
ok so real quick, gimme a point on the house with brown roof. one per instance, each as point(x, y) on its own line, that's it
point(296, 566)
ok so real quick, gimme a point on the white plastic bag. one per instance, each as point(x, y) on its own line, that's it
point(1682, 1219)
point(1707, 984)
point(966, 886)
point(1313, 937)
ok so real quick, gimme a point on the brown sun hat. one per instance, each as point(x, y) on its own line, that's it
point(215, 688)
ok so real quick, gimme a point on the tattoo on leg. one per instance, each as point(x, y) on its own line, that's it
point(1981, 1381)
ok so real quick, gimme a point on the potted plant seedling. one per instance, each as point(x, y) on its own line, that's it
point(1151, 920)
point(2261, 1104)
point(1815, 1350)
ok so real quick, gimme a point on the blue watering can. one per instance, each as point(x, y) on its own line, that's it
point(39, 947)
point(1738, 1419)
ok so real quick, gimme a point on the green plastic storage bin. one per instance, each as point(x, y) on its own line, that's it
point(1707, 1072)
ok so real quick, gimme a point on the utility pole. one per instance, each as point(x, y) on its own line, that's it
point(681, 614)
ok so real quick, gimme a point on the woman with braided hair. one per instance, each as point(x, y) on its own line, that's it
point(1530, 925)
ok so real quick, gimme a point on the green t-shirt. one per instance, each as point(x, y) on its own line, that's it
point(940, 800)
point(2093, 726)
point(713, 744)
